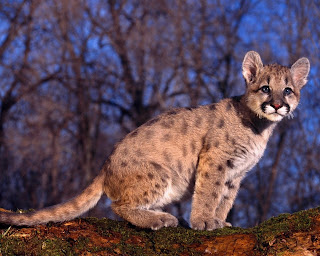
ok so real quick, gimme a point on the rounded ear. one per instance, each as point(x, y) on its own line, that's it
point(299, 71)
point(251, 65)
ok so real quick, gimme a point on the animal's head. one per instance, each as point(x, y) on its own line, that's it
point(273, 91)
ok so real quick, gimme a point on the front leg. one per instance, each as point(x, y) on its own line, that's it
point(210, 179)
point(231, 189)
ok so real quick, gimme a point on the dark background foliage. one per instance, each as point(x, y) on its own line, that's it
point(76, 76)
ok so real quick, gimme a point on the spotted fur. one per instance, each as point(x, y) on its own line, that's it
point(201, 152)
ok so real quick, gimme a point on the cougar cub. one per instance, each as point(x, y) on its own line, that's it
point(202, 152)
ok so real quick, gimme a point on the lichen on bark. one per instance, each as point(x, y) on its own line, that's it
point(287, 234)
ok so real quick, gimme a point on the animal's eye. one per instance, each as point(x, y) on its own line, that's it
point(287, 91)
point(265, 89)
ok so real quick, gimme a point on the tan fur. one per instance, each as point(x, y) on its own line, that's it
point(202, 153)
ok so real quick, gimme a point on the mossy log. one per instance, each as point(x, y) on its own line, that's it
point(287, 234)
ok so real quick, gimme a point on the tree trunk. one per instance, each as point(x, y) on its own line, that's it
point(296, 234)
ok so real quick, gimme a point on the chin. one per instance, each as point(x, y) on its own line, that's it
point(273, 117)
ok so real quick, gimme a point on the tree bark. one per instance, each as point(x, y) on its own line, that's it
point(296, 234)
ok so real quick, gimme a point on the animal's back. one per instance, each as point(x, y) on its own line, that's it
point(203, 152)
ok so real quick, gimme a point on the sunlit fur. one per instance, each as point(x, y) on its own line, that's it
point(201, 152)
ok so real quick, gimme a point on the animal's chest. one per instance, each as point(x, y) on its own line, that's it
point(246, 158)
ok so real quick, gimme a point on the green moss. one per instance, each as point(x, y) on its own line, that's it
point(17, 246)
point(120, 237)
point(229, 231)
point(7, 245)
point(169, 239)
point(126, 233)
point(164, 241)
point(81, 243)
point(105, 226)
point(283, 225)
point(303, 219)
point(54, 247)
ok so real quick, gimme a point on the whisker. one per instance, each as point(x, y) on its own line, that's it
point(290, 115)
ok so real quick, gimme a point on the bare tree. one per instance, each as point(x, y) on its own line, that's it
point(76, 76)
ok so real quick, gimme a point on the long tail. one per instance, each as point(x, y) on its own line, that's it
point(60, 212)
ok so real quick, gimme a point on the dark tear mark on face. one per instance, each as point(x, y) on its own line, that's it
point(248, 118)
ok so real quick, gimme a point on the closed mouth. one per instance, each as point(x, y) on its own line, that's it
point(268, 109)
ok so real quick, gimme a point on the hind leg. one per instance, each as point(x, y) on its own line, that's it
point(140, 204)
point(148, 187)
point(144, 218)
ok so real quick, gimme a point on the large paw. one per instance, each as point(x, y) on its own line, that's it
point(164, 220)
point(208, 224)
